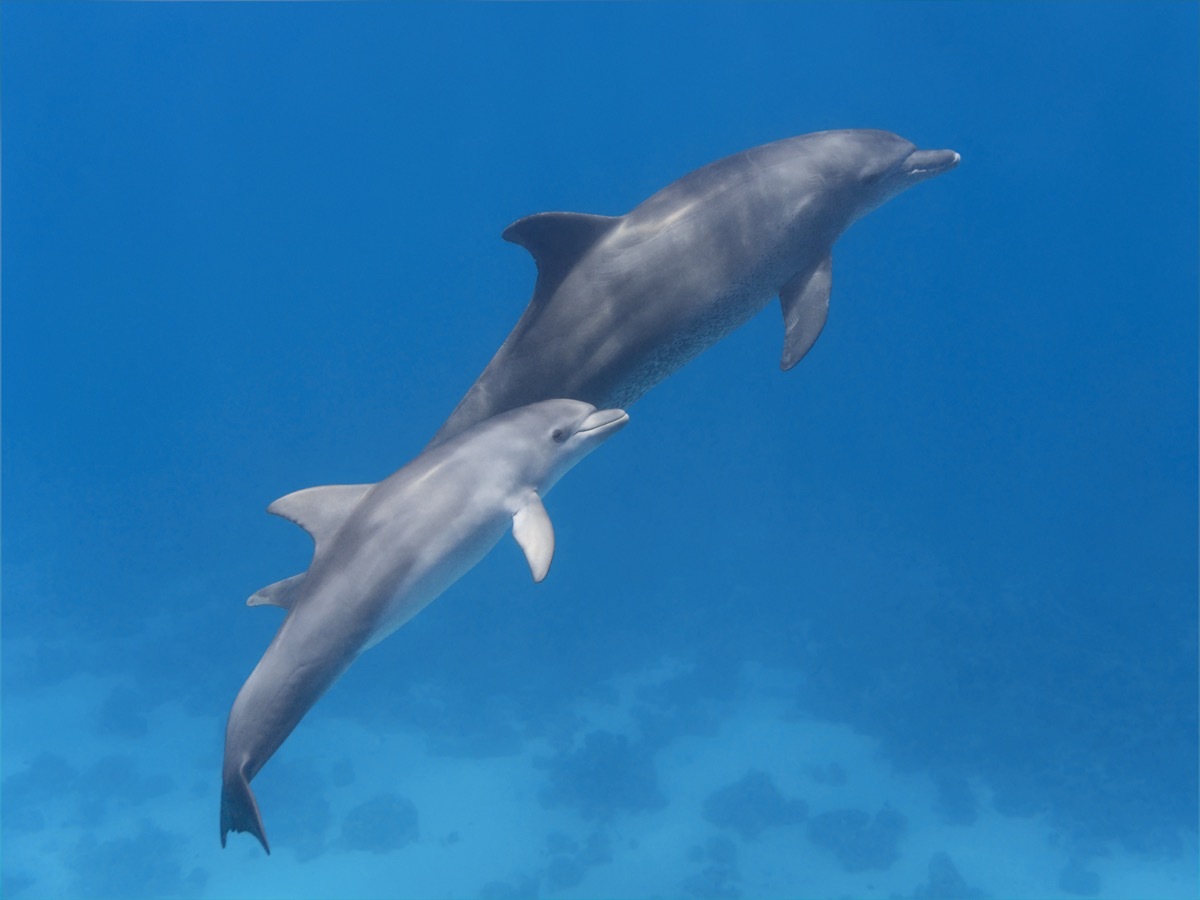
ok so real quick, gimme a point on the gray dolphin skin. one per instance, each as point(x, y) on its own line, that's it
point(385, 551)
point(622, 302)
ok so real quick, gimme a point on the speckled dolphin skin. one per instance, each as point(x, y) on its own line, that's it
point(621, 302)
point(384, 552)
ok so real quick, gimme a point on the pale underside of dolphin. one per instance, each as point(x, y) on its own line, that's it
point(621, 302)
point(385, 551)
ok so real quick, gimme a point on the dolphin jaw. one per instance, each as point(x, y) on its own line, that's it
point(603, 422)
point(922, 164)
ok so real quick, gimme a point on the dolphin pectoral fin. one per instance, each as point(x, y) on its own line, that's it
point(535, 535)
point(239, 809)
point(319, 510)
point(557, 241)
point(805, 303)
point(278, 594)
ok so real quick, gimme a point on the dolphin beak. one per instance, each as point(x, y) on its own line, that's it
point(603, 422)
point(922, 164)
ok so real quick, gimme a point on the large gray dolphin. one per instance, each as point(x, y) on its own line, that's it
point(384, 552)
point(622, 302)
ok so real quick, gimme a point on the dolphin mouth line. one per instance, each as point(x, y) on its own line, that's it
point(603, 419)
point(923, 163)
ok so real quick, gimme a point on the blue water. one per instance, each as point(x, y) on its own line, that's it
point(928, 599)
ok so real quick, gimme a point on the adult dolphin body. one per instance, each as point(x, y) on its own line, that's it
point(385, 551)
point(622, 302)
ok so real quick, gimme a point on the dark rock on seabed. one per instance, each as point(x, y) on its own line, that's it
point(1078, 880)
point(718, 880)
point(607, 775)
point(945, 882)
point(751, 805)
point(384, 823)
point(569, 861)
point(147, 865)
point(861, 842)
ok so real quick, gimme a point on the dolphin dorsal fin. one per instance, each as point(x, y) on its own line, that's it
point(535, 535)
point(805, 303)
point(557, 241)
point(280, 594)
point(320, 510)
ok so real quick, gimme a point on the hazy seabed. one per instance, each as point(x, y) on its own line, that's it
point(647, 789)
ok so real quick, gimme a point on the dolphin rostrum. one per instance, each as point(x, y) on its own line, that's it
point(622, 302)
point(385, 551)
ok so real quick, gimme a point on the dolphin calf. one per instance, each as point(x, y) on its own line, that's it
point(385, 551)
point(621, 302)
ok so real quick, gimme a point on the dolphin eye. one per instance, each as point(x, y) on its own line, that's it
point(558, 435)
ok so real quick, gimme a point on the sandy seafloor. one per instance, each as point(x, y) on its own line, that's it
point(492, 826)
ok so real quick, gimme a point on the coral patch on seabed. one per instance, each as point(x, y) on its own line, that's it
point(861, 842)
point(609, 774)
point(752, 805)
point(383, 824)
point(147, 864)
point(718, 877)
point(757, 803)
point(945, 883)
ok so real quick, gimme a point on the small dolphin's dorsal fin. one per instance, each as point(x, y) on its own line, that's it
point(535, 535)
point(557, 241)
point(278, 594)
point(320, 510)
point(805, 303)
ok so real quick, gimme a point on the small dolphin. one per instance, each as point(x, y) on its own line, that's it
point(385, 551)
point(622, 302)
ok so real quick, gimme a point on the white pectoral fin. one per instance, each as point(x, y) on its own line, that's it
point(805, 303)
point(535, 535)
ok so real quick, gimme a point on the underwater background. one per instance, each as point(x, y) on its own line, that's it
point(916, 619)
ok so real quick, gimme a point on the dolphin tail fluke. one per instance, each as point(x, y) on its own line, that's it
point(239, 809)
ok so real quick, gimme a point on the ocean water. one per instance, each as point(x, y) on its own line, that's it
point(915, 619)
